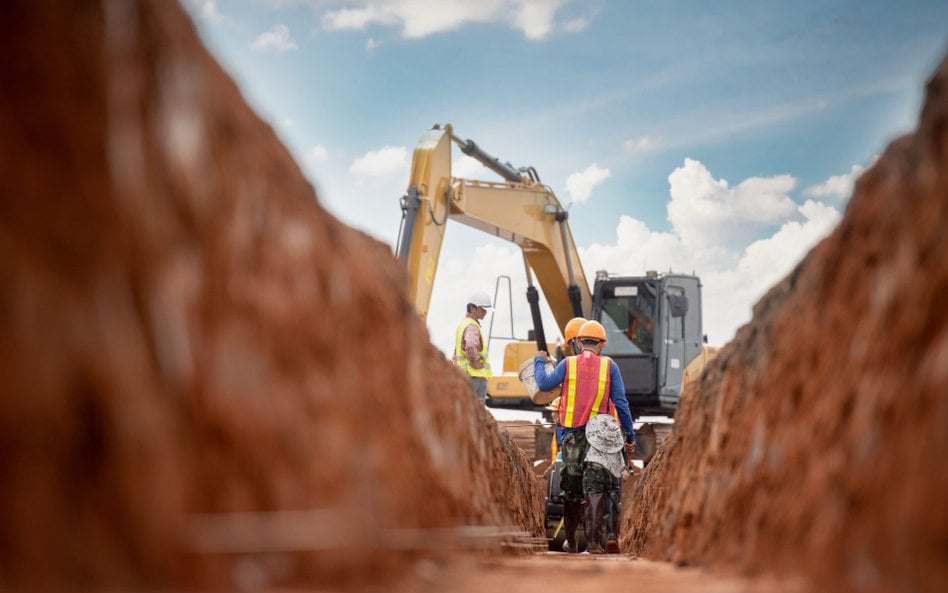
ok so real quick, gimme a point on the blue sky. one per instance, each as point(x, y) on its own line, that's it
point(715, 137)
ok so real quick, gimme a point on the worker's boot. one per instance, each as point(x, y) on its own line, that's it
point(571, 513)
point(595, 509)
point(612, 523)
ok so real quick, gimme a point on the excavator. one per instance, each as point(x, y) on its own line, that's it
point(653, 322)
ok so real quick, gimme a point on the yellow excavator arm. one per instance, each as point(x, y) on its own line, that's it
point(520, 209)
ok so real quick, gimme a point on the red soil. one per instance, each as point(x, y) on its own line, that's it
point(814, 443)
point(186, 332)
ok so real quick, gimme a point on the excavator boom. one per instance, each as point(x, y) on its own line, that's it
point(424, 214)
point(520, 210)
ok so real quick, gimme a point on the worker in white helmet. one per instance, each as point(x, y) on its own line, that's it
point(470, 347)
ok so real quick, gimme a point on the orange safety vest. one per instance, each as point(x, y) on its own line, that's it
point(585, 389)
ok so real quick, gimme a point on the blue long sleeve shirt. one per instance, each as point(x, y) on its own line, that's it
point(546, 382)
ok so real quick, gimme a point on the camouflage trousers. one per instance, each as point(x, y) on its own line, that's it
point(580, 478)
point(597, 478)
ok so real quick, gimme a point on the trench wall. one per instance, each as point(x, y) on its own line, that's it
point(207, 379)
point(814, 444)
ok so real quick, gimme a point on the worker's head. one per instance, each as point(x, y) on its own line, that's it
point(478, 304)
point(592, 336)
point(569, 334)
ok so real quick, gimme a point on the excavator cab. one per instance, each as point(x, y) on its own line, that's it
point(653, 328)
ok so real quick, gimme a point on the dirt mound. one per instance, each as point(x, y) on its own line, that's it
point(535, 440)
point(206, 378)
point(813, 444)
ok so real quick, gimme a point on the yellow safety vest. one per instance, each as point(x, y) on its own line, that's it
point(460, 357)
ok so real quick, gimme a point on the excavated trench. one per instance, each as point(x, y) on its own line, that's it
point(209, 382)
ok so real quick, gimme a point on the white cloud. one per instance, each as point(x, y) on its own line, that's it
point(277, 39)
point(705, 211)
point(730, 292)
point(318, 153)
point(837, 186)
point(735, 274)
point(205, 10)
point(467, 167)
point(637, 249)
point(576, 25)
point(766, 261)
point(580, 185)
point(384, 161)
point(641, 144)
point(371, 43)
point(279, 4)
point(535, 18)
point(354, 18)
point(579, 23)
point(419, 19)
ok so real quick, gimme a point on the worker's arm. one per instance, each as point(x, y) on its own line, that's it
point(545, 381)
point(471, 344)
point(617, 395)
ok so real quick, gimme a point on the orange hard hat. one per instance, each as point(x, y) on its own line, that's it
point(592, 330)
point(572, 328)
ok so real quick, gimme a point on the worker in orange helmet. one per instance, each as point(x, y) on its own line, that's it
point(570, 345)
point(587, 379)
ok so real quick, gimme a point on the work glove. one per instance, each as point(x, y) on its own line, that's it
point(629, 451)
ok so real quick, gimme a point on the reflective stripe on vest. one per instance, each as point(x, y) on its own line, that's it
point(586, 390)
point(460, 356)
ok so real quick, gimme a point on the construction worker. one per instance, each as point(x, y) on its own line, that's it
point(640, 331)
point(470, 347)
point(570, 347)
point(586, 379)
point(641, 328)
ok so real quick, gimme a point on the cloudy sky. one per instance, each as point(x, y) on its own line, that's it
point(720, 138)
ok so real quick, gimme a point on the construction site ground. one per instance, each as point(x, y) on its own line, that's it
point(576, 573)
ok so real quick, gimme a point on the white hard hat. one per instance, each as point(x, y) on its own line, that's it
point(480, 299)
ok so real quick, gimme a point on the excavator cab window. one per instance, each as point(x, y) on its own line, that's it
point(629, 318)
point(677, 301)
